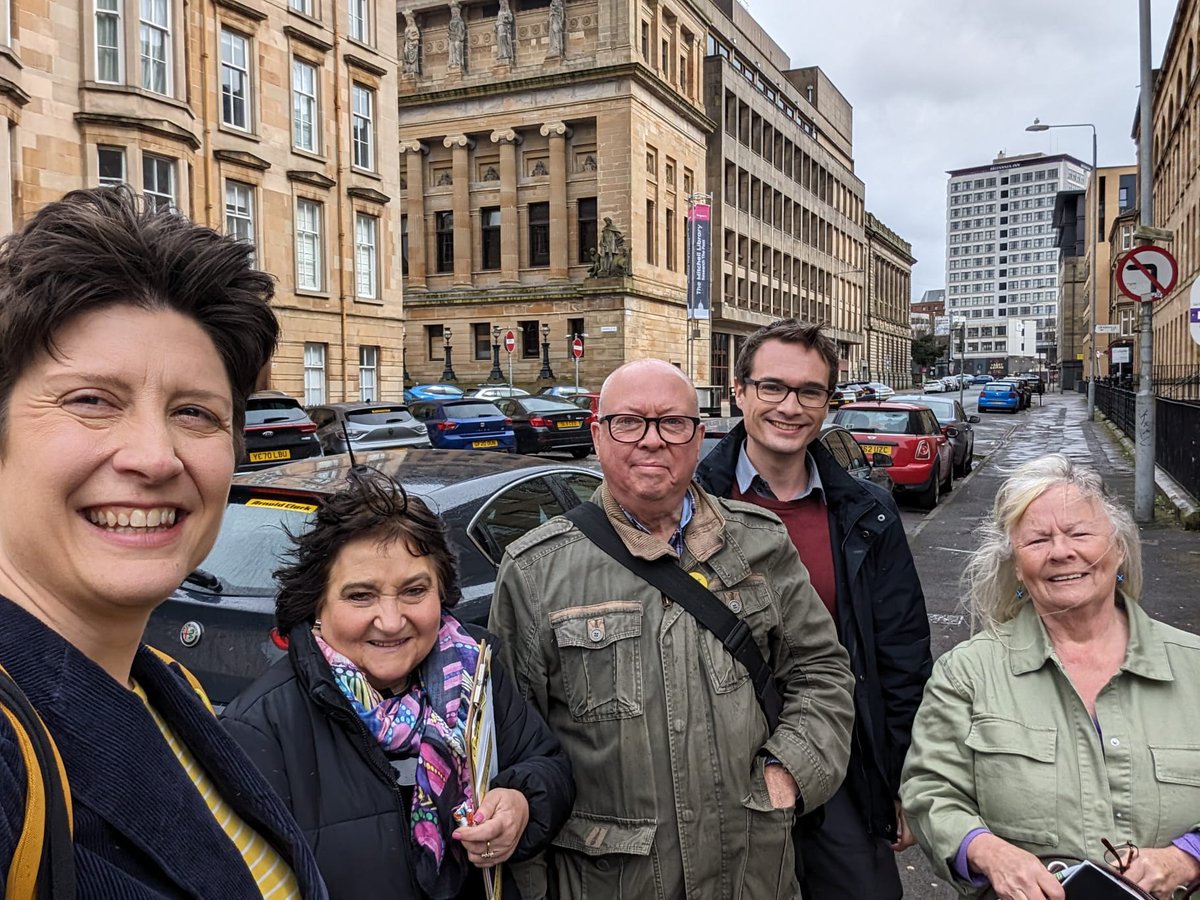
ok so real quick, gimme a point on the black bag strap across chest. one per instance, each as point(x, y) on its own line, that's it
point(701, 603)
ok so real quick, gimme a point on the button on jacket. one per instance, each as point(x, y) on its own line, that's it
point(662, 725)
point(1003, 742)
point(881, 621)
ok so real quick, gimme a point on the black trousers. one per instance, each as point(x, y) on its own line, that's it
point(842, 861)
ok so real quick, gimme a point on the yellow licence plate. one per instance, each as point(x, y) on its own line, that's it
point(568, 423)
point(270, 455)
point(878, 448)
point(483, 445)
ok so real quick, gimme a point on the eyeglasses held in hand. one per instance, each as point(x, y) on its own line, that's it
point(1113, 855)
point(777, 391)
point(626, 428)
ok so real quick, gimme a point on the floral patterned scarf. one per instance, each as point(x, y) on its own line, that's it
point(428, 721)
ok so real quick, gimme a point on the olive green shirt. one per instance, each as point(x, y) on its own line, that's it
point(1002, 741)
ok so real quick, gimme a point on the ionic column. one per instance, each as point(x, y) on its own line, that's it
point(510, 228)
point(460, 144)
point(414, 206)
point(558, 133)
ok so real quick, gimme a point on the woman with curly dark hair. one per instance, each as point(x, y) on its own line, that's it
point(361, 727)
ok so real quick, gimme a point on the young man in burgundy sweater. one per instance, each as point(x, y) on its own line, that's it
point(849, 535)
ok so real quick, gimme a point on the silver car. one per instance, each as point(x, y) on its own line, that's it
point(369, 426)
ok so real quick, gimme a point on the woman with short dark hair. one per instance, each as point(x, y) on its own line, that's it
point(131, 339)
point(361, 728)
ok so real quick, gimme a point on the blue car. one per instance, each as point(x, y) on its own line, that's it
point(465, 424)
point(999, 395)
point(432, 392)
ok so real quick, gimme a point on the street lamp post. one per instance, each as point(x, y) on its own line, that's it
point(547, 374)
point(1094, 235)
point(495, 374)
point(448, 371)
point(405, 378)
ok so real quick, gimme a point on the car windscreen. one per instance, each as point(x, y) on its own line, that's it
point(538, 404)
point(378, 415)
point(252, 543)
point(879, 420)
point(263, 412)
point(999, 387)
point(470, 410)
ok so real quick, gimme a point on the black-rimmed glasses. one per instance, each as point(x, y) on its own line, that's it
point(776, 392)
point(626, 428)
point(1121, 856)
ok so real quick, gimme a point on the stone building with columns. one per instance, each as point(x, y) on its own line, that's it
point(548, 150)
point(787, 206)
point(887, 323)
point(271, 121)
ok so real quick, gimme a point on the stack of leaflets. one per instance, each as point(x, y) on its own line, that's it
point(482, 753)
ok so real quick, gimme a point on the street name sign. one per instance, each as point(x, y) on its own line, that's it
point(1147, 273)
point(1108, 329)
point(1194, 312)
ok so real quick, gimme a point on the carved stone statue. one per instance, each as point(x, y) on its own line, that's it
point(458, 36)
point(504, 33)
point(611, 258)
point(412, 44)
point(557, 16)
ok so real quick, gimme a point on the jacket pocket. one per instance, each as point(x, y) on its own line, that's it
point(600, 652)
point(607, 858)
point(748, 601)
point(1177, 771)
point(1016, 783)
point(770, 870)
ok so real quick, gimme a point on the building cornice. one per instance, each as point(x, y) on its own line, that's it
point(369, 194)
point(305, 176)
point(242, 158)
point(304, 37)
point(369, 67)
point(157, 127)
point(12, 90)
point(242, 9)
point(635, 72)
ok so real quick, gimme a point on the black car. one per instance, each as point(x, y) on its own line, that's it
point(277, 430)
point(956, 425)
point(548, 423)
point(220, 621)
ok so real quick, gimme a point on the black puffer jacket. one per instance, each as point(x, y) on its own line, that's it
point(881, 621)
point(298, 728)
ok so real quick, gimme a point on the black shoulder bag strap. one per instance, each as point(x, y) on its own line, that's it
point(685, 590)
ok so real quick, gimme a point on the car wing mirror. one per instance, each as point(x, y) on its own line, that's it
point(974, 420)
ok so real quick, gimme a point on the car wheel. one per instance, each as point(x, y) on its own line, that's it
point(948, 483)
point(928, 498)
point(580, 452)
point(965, 469)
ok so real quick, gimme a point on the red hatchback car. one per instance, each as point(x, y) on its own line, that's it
point(909, 433)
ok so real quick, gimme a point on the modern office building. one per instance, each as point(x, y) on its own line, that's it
point(270, 121)
point(788, 215)
point(887, 326)
point(1002, 263)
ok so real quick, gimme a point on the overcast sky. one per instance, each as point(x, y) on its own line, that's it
point(939, 85)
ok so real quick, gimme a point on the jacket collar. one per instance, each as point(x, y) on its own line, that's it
point(104, 733)
point(1030, 647)
point(702, 537)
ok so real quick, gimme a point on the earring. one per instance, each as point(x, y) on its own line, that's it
point(317, 624)
point(1120, 578)
point(1020, 593)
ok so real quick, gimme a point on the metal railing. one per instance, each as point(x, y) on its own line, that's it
point(1176, 430)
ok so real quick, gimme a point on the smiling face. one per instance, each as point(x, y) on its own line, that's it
point(783, 430)
point(651, 476)
point(116, 462)
point(1065, 552)
point(382, 609)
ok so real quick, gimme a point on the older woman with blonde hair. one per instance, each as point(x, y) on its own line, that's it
point(1066, 727)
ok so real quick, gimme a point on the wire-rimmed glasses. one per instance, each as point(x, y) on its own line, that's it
point(627, 428)
point(776, 392)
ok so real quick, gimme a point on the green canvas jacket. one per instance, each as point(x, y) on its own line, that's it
point(662, 725)
point(1002, 741)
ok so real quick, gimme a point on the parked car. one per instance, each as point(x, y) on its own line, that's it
point(565, 391)
point(956, 425)
point(220, 621)
point(836, 439)
point(277, 430)
point(934, 386)
point(465, 425)
point(841, 396)
point(911, 436)
point(495, 392)
point(549, 423)
point(589, 401)
point(865, 390)
point(432, 392)
point(1001, 395)
point(882, 391)
point(370, 426)
point(982, 379)
point(1024, 391)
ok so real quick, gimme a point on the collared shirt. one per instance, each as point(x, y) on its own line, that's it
point(685, 516)
point(748, 478)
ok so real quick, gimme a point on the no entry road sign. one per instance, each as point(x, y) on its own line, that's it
point(577, 347)
point(1147, 273)
point(510, 342)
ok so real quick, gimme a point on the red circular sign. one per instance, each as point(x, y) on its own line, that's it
point(577, 347)
point(510, 342)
